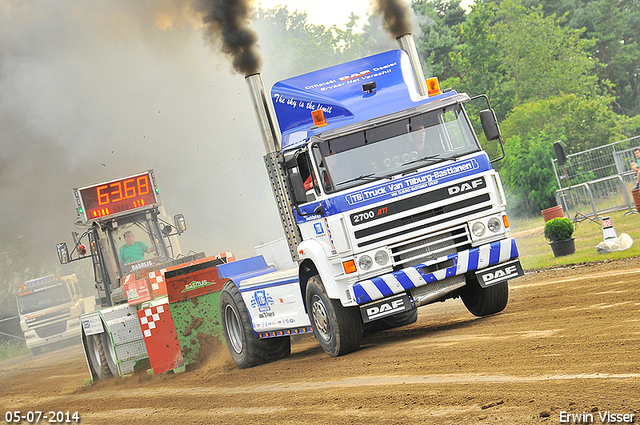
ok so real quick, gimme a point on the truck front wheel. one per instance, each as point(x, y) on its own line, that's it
point(338, 329)
point(245, 348)
point(484, 301)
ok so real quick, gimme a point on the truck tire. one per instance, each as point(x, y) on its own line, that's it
point(97, 357)
point(245, 348)
point(401, 319)
point(337, 329)
point(484, 301)
point(36, 351)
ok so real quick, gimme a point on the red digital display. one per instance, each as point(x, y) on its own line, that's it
point(106, 199)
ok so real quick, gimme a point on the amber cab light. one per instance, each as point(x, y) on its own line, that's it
point(318, 118)
point(433, 87)
point(349, 266)
point(505, 219)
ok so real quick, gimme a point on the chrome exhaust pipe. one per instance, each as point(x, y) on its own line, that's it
point(407, 44)
point(264, 113)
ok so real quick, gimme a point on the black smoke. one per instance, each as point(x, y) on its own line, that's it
point(396, 16)
point(229, 22)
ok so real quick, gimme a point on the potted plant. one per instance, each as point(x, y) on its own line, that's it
point(559, 231)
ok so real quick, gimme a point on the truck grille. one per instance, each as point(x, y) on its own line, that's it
point(52, 329)
point(425, 249)
point(425, 220)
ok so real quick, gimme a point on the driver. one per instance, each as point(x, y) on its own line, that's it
point(133, 250)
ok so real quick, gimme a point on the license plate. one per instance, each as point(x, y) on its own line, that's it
point(499, 273)
point(386, 307)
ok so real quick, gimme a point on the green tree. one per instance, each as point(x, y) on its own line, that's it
point(440, 31)
point(583, 123)
point(580, 123)
point(477, 60)
point(303, 47)
point(540, 57)
point(527, 173)
point(613, 25)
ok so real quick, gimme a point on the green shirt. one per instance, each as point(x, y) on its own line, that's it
point(133, 253)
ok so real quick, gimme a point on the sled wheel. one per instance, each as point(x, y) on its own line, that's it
point(246, 349)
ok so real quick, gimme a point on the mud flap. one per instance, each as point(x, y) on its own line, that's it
point(500, 273)
point(385, 307)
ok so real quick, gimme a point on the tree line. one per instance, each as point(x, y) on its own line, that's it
point(555, 70)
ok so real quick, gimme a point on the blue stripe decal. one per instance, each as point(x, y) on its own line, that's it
point(361, 295)
point(404, 279)
point(494, 253)
point(266, 285)
point(514, 249)
point(474, 256)
point(382, 286)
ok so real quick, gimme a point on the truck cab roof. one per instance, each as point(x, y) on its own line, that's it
point(339, 93)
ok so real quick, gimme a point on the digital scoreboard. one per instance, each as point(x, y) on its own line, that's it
point(112, 198)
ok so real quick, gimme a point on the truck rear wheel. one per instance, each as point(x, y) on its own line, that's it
point(245, 348)
point(337, 329)
point(484, 301)
point(97, 357)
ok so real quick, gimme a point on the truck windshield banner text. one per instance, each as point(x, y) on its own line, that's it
point(410, 184)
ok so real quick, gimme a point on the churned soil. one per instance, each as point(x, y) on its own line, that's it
point(567, 344)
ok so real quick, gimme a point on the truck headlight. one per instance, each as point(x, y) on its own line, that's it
point(494, 225)
point(478, 229)
point(381, 258)
point(365, 262)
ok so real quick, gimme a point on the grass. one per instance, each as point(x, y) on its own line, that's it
point(9, 349)
point(535, 252)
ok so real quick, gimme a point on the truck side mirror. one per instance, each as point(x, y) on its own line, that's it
point(295, 179)
point(489, 124)
point(63, 253)
point(180, 222)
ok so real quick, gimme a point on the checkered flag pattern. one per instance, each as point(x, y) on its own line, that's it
point(148, 321)
point(155, 277)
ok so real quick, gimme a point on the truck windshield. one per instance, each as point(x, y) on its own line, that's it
point(395, 147)
point(51, 295)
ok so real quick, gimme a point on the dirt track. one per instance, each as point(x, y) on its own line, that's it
point(568, 341)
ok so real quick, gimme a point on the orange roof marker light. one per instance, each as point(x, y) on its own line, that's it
point(433, 87)
point(318, 118)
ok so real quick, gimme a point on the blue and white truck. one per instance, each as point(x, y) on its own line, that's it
point(387, 200)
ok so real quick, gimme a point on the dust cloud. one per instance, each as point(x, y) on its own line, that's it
point(92, 91)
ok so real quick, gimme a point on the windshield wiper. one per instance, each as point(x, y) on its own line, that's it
point(433, 158)
point(369, 176)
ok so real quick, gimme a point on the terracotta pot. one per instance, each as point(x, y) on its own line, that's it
point(636, 199)
point(553, 212)
point(562, 248)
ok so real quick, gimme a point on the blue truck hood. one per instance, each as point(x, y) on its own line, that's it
point(337, 90)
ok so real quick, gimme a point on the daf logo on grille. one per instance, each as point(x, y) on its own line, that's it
point(465, 187)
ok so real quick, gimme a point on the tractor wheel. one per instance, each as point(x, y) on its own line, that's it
point(110, 353)
point(97, 357)
point(338, 329)
point(245, 348)
point(485, 301)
